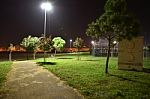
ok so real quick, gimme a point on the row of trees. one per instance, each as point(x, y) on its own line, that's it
point(34, 44)
point(47, 44)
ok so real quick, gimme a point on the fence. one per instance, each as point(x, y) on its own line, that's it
point(114, 52)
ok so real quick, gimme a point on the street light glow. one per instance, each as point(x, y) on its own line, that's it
point(70, 40)
point(47, 6)
point(114, 42)
point(92, 42)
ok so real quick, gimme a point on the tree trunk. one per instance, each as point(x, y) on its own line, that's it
point(108, 55)
point(44, 57)
point(10, 56)
point(34, 55)
point(78, 54)
point(27, 55)
point(55, 52)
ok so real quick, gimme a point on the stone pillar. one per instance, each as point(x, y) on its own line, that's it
point(131, 54)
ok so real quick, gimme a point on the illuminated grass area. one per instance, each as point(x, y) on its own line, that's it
point(87, 75)
point(5, 67)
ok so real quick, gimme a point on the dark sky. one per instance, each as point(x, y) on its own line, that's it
point(69, 19)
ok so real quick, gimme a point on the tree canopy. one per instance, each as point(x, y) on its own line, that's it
point(59, 43)
point(45, 43)
point(78, 43)
point(30, 43)
point(115, 23)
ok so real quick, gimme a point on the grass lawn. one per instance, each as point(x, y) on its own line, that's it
point(87, 75)
point(4, 69)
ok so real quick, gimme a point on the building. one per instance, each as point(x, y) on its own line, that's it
point(99, 48)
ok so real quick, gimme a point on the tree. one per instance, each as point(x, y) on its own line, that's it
point(114, 24)
point(58, 44)
point(78, 44)
point(30, 44)
point(45, 44)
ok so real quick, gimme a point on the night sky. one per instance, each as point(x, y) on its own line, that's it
point(69, 18)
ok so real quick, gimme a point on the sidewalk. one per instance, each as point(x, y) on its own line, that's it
point(26, 80)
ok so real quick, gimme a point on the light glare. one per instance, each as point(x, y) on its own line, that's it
point(47, 6)
point(92, 42)
point(115, 42)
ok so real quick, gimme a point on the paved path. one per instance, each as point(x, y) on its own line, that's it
point(26, 80)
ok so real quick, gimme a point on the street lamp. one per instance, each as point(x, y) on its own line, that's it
point(93, 44)
point(93, 48)
point(46, 6)
point(114, 42)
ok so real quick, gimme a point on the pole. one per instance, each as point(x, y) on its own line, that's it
point(44, 34)
point(46, 6)
point(45, 24)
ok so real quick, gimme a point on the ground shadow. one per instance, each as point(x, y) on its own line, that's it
point(90, 60)
point(128, 79)
point(146, 70)
point(46, 63)
point(64, 58)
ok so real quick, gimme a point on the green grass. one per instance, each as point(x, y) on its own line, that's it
point(87, 75)
point(5, 67)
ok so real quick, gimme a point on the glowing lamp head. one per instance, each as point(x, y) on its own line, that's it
point(70, 40)
point(46, 6)
point(114, 42)
point(92, 42)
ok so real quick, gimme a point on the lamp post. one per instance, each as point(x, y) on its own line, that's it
point(70, 43)
point(46, 6)
point(93, 44)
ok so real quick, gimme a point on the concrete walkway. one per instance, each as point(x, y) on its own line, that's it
point(26, 80)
